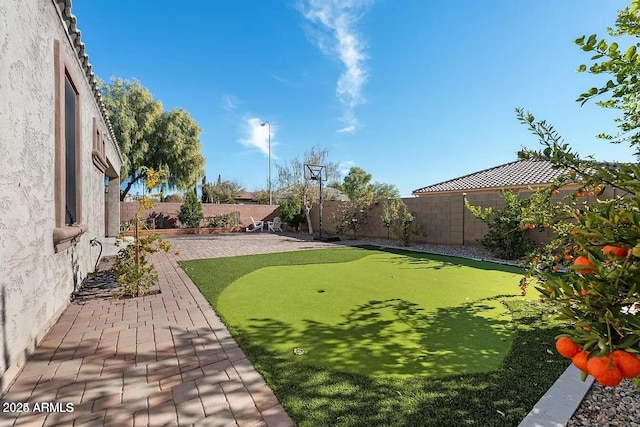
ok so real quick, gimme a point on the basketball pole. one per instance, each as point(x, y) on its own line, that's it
point(320, 210)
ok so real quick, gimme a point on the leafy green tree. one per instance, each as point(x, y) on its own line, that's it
point(597, 245)
point(175, 148)
point(397, 217)
point(190, 212)
point(390, 212)
point(291, 179)
point(351, 216)
point(620, 92)
point(506, 237)
point(225, 192)
point(385, 191)
point(150, 138)
point(261, 197)
point(290, 211)
point(357, 186)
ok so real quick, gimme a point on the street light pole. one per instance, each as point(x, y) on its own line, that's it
point(262, 124)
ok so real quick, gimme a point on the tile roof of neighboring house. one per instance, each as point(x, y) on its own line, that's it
point(245, 195)
point(515, 174)
point(74, 35)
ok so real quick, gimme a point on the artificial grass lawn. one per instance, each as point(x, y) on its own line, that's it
point(390, 337)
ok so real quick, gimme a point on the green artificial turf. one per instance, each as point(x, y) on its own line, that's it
point(389, 337)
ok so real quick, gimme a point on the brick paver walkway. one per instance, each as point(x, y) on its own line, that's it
point(163, 359)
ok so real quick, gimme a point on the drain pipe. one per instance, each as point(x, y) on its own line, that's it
point(95, 242)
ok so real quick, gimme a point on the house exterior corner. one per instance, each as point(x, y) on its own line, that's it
point(58, 155)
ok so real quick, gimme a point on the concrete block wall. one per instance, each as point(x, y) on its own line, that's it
point(445, 217)
point(258, 212)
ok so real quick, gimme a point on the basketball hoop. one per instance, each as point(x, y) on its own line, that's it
point(315, 172)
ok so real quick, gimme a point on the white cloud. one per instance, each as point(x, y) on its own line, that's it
point(257, 136)
point(345, 166)
point(337, 19)
point(230, 102)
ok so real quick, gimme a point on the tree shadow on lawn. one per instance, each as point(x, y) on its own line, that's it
point(393, 337)
point(317, 396)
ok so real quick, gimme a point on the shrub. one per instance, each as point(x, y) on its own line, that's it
point(132, 267)
point(506, 236)
point(190, 212)
point(397, 217)
point(291, 212)
point(351, 216)
point(224, 221)
point(174, 198)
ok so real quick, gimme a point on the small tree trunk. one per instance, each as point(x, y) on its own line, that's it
point(307, 213)
point(137, 241)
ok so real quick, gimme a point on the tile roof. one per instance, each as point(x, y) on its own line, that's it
point(70, 21)
point(514, 174)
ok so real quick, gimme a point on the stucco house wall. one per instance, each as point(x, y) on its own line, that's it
point(43, 260)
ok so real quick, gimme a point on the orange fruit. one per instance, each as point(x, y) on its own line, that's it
point(628, 363)
point(616, 251)
point(580, 360)
point(605, 370)
point(583, 261)
point(567, 348)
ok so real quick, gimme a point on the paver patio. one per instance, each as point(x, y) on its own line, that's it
point(163, 359)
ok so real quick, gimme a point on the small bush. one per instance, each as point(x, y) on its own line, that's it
point(291, 212)
point(174, 198)
point(224, 221)
point(134, 271)
point(190, 212)
point(351, 216)
point(397, 217)
point(132, 267)
point(506, 237)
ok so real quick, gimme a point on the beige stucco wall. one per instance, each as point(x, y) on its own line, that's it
point(35, 281)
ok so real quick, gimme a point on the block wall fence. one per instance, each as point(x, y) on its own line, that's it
point(170, 210)
point(444, 216)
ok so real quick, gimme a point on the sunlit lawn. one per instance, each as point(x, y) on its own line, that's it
point(358, 336)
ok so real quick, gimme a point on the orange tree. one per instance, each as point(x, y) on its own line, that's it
point(591, 270)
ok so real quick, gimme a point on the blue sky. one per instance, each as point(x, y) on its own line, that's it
point(414, 92)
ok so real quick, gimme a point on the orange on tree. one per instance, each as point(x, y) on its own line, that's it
point(628, 363)
point(616, 251)
point(602, 235)
point(605, 370)
point(585, 264)
point(580, 360)
point(567, 348)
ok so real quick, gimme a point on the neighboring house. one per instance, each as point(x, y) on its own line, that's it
point(59, 185)
point(517, 175)
point(245, 197)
